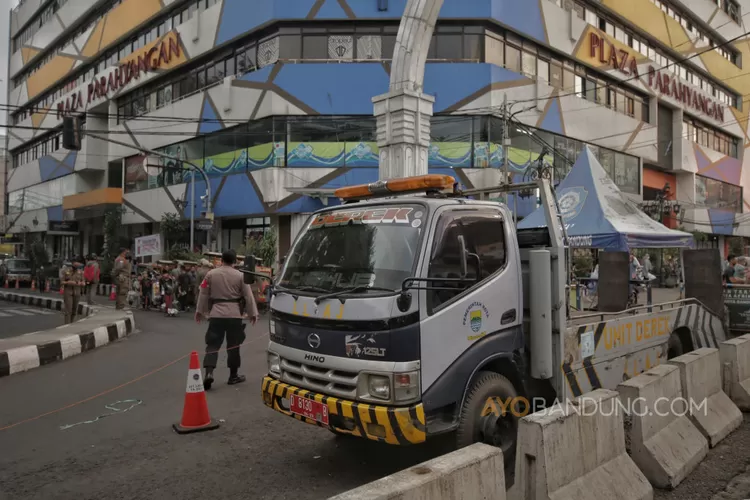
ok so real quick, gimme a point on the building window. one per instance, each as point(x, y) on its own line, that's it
point(713, 193)
point(707, 136)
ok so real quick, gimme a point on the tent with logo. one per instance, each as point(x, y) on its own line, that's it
point(598, 215)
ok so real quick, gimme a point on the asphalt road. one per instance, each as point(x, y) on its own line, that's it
point(17, 319)
point(256, 453)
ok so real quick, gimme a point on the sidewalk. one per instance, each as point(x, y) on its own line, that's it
point(24, 352)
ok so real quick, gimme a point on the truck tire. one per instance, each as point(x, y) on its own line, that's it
point(496, 430)
point(674, 346)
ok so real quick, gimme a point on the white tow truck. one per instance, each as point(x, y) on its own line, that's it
point(413, 310)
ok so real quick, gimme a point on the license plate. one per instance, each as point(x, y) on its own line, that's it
point(309, 408)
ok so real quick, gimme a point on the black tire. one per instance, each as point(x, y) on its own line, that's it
point(674, 346)
point(473, 427)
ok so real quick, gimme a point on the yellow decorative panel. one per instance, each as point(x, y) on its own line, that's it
point(28, 53)
point(48, 74)
point(92, 44)
point(126, 16)
point(38, 118)
point(643, 14)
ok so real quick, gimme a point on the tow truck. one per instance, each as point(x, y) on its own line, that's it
point(415, 310)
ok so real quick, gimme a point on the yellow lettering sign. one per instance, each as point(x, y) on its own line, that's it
point(635, 332)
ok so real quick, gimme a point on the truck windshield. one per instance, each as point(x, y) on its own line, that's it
point(17, 264)
point(373, 246)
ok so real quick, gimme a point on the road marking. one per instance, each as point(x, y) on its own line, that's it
point(3, 315)
point(21, 312)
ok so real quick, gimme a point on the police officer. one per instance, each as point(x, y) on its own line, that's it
point(122, 278)
point(225, 299)
point(72, 282)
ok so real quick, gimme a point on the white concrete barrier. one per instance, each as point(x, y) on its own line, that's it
point(735, 359)
point(576, 451)
point(709, 408)
point(664, 443)
point(472, 473)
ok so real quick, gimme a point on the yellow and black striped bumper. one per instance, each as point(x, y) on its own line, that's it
point(402, 426)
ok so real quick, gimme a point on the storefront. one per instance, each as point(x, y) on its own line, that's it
point(63, 238)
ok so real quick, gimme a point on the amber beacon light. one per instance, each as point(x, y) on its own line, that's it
point(394, 186)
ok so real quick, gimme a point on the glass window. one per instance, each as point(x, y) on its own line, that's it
point(333, 257)
point(494, 50)
point(315, 47)
point(528, 64)
point(556, 74)
point(591, 90)
point(542, 69)
point(578, 86)
point(513, 58)
point(448, 46)
point(473, 46)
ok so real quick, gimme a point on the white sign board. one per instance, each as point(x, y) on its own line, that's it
point(148, 245)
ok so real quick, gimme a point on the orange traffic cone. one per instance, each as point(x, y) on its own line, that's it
point(46, 286)
point(113, 293)
point(6, 282)
point(18, 284)
point(33, 286)
point(195, 417)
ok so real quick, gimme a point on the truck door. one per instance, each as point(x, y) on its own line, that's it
point(465, 326)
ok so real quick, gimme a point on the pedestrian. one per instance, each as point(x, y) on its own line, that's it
point(122, 278)
point(728, 274)
point(225, 299)
point(91, 275)
point(72, 283)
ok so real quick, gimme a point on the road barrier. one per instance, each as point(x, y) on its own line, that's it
point(471, 473)
point(664, 443)
point(710, 409)
point(735, 360)
point(576, 450)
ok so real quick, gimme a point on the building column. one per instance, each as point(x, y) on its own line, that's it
point(403, 132)
point(403, 114)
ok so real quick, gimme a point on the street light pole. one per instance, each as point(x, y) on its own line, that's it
point(196, 168)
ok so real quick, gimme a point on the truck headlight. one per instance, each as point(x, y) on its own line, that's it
point(274, 364)
point(406, 386)
point(380, 387)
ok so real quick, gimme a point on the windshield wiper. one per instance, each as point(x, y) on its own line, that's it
point(354, 289)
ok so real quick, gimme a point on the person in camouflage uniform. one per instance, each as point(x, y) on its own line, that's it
point(122, 278)
point(72, 282)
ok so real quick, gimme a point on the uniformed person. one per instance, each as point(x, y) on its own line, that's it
point(73, 283)
point(225, 299)
point(122, 278)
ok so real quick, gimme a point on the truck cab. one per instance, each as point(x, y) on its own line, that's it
point(414, 310)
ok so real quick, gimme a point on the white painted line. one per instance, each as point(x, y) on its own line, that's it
point(101, 336)
point(21, 312)
point(4, 315)
point(23, 358)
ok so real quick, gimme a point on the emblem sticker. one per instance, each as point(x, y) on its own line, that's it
point(571, 201)
point(474, 319)
point(588, 346)
point(357, 346)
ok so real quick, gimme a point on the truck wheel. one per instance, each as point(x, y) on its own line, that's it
point(486, 416)
point(674, 346)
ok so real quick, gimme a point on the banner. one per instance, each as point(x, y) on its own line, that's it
point(148, 245)
point(737, 302)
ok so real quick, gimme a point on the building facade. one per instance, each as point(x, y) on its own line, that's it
point(273, 99)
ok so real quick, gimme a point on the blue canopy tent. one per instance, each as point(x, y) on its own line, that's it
point(598, 215)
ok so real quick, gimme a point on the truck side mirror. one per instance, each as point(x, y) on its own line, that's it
point(464, 253)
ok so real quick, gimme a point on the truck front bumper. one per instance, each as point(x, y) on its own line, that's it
point(392, 425)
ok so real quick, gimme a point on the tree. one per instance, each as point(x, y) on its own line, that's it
point(37, 255)
point(112, 224)
point(172, 231)
point(267, 248)
point(737, 245)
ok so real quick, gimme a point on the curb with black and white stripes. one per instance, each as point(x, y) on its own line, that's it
point(25, 358)
point(45, 302)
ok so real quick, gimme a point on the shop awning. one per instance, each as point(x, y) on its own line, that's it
point(91, 204)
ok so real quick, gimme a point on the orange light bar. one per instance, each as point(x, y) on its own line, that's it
point(406, 184)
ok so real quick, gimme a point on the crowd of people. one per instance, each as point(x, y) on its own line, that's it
point(736, 270)
point(171, 287)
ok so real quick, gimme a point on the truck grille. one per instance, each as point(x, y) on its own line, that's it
point(318, 378)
